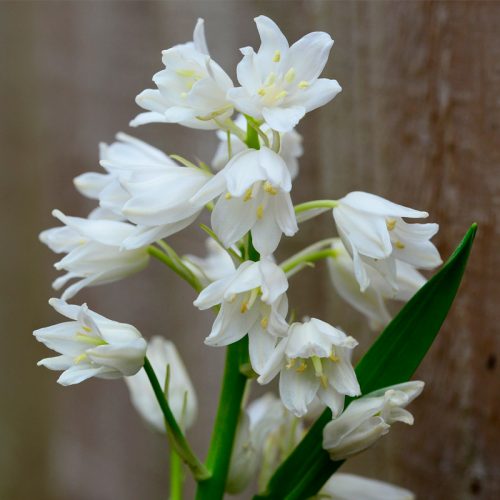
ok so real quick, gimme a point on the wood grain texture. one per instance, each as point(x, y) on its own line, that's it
point(418, 122)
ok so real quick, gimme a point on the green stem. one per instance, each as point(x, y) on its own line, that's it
point(230, 126)
point(221, 445)
point(179, 441)
point(292, 263)
point(313, 205)
point(176, 266)
point(276, 141)
point(176, 476)
point(252, 138)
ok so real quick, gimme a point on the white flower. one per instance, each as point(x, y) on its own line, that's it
point(265, 435)
point(290, 147)
point(145, 186)
point(244, 457)
point(255, 187)
point(368, 418)
point(181, 395)
point(191, 90)
point(314, 359)
point(349, 486)
point(374, 233)
point(216, 265)
point(279, 83)
point(121, 160)
point(94, 252)
point(253, 301)
point(159, 204)
point(372, 302)
point(91, 345)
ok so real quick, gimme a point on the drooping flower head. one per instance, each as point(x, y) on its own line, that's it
point(314, 359)
point(375, 234)
point(254, 189)
point(279, 83)
point(252, 301)
point(91, 345)
point(181, 395)
point(372, 301)
point(368, 418)
point(121, 160)
point(191, 90)
point(94, 252)
point(266, 434)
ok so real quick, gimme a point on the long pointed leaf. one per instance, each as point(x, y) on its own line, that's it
point(393, 358)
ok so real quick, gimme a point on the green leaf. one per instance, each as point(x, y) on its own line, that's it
point(392, 359)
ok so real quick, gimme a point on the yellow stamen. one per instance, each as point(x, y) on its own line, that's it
point(302, 367)
point(324, 381)
point(271, 78)
point(248, 194)
point(184, 95)
point(399, 245)
point(253, 296)
point(261, 92)
point(244, 307)
point(318, 367)
point(333, 357)
point(303, 84)
point(281, 95)
point(228, 196)
point(88, 339)
point(264, 322)
point(277, 56)
point(290, 363)
point(290, 75)
point(188, 73)
point(87, 329)
point(80, 358)
point(260, 211)
point(391, 224)
point(269, 188)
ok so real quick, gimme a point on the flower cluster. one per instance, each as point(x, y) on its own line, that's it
point(144, 196)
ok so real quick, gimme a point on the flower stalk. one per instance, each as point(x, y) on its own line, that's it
point(177, 266)
point(314, 205)
point(221, 445)
point(178, 439)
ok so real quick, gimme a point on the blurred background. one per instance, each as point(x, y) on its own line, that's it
point(418, 122)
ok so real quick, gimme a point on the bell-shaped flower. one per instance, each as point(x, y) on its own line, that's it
point(343, 486)
point(244, 457)
point(145, 186)
point(91, 345)
point(121, 160)
point(290, 147)
point(280, 83)
point(180, 393)
point(191, 90)
point(267, 432)
point(313, 360)
point(255, 196)
point(368, 418)
point(94, 252)
point(375, 234)
point(372, 301)
point(159, 203)
point(252, 301)
point(217, 263)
